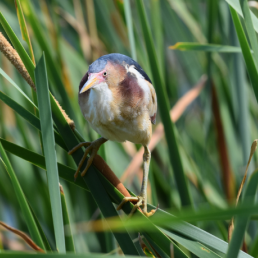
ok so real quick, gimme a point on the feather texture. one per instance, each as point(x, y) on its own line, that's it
point(124, 105)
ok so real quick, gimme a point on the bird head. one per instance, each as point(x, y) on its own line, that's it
point(109, 70)
point(94, 79)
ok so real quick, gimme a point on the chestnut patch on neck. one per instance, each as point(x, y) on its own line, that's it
point(130, 90)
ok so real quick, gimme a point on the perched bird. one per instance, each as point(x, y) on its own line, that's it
point(118, 100)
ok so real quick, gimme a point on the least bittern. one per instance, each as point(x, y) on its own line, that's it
point(119, 101)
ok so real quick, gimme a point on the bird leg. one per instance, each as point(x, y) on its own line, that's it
point(142, 198)
point(92, 147)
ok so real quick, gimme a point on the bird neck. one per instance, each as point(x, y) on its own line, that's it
point(101, 94)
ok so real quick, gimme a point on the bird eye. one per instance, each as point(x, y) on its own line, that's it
point(105, 74)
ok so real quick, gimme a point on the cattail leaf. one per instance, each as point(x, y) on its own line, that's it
point(32, 119)
point(31, 224)
point(189, 46)
point(50, 152)
point(23, 27)
point(69, 242)
point(38, 160)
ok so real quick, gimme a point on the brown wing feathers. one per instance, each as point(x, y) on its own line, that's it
point(152, 107)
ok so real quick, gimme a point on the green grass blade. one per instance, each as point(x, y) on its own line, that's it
point(165, 219)
point(42, 233)
point(12, 254)
point(28, 116)
point(107, 239)
point(26, 37)
point(190, 231)
point(17, 87)
point(249, 61)
point(164, 109)
point(54, 72)
point(69, 243)
point(156, 235)
point(102, 199)
point(129, 23)
point(157, 27)
point(194, 247)
point(23, 27)
point(183, 228)
point(235, 4)
point(250, 29)
point(20, 50)
point(182, 11)
point(151, 245)
point(240, 90)
point(241, 222)
point(212, 13)
point(254, 247)
point(160, 217)
point(32, 226)
point(189, 46)
point(38, 160)
point(18, 47)
point(50, 153)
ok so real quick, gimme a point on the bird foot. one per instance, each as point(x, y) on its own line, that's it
point(92, 147)
point(140, 202)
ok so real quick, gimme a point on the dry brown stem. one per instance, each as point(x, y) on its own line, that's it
point(14, 58)
point(103, 167)
point(61, 189)
point(253, 148)
point(228, 178)
point(67, 118)
point(26, 238)
point(231, 224)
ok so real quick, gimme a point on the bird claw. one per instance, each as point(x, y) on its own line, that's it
point(152, 212)
point(140, 202)
point(92, 147)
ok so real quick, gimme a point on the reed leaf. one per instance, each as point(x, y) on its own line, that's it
point(50, 153)
point(189, 46)
point(164, 109)
point(32, 119)
point(31, 224)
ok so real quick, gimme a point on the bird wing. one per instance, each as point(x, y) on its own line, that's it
point(152, 105)
point(152, 102)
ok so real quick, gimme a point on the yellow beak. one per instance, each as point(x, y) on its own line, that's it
point(89, 84)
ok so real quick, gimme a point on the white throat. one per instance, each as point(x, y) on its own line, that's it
point(100, 99)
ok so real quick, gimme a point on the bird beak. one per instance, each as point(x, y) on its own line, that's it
point(94, 79)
